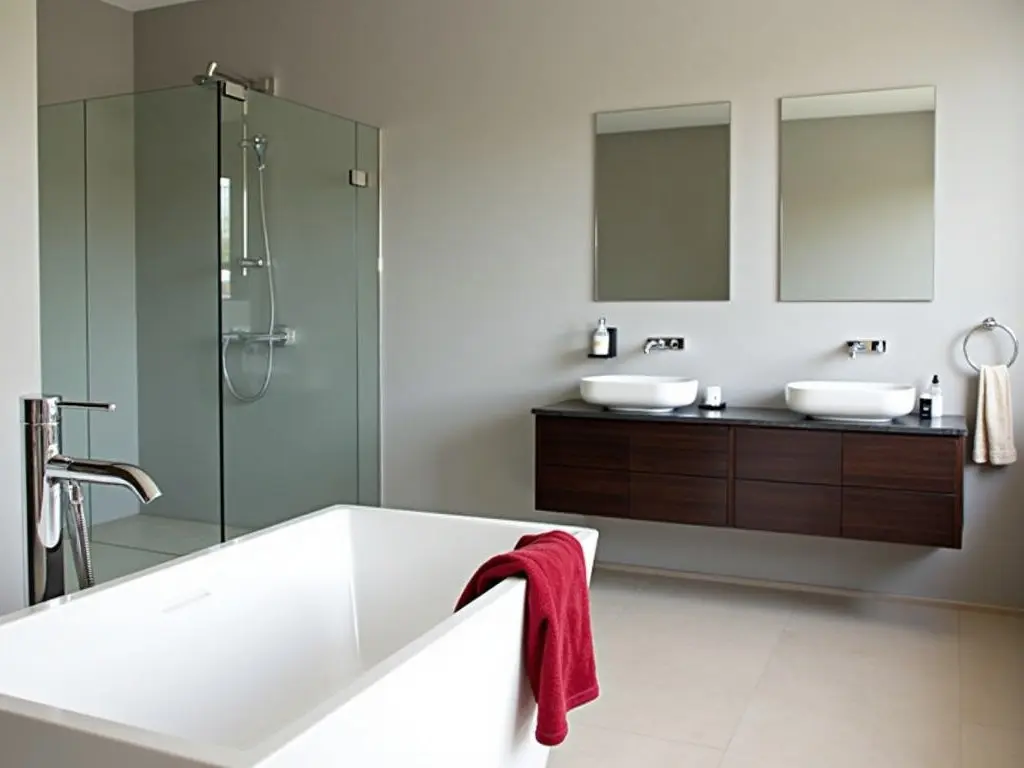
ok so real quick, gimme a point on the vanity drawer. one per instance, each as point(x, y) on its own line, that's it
point(582, 443)
point(902, 462)
point(904, 517)
point(679, 449)
point(789, 507)
point(678, 499)
point(789, 455)
point(582, 491)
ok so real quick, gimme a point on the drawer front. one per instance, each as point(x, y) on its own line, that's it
point(582, 491)
point(789, 455)
point(679, 449)
point(582, 443)
point(902, 462)
point(903, 517)
point(788, 507)
point(678, 499)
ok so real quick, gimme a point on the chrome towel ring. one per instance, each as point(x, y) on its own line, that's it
point(990, 324)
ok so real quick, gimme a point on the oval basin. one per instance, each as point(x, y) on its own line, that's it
point(643, 394)
point(871, 401)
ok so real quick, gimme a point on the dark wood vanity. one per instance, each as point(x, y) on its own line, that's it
point(757, 469)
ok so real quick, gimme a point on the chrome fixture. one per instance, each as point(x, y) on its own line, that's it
point(282, 336)
point(237, 87)
point(213, 74)
point(664, 344)
point(258, 145)
point(274, 334)
point(991, 324)
point(49, 476)
point(857, 346)
point(259, 148)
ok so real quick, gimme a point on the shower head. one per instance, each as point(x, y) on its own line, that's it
point(207, 76)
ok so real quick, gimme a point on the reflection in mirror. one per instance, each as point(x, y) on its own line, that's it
point(661, 201)
point(856, 196)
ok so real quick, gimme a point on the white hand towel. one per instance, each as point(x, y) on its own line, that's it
point(993, 430)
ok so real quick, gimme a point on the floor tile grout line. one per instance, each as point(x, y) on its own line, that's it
point(753, 691)
point(662, 739)
point(141, 549)
point(619, 613)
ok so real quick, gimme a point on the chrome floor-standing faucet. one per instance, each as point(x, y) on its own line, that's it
point(49, 477)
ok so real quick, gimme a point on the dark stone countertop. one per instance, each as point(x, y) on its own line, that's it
point(761, 417)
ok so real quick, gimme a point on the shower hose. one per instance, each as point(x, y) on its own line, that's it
point(78, 534)
point(225, 343)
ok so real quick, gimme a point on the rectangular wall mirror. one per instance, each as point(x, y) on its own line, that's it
point(857, 196)
point(661, 202)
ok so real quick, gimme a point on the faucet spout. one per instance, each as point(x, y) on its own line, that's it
point(104, 473)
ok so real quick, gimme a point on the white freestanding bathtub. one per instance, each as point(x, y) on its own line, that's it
point(326, 641)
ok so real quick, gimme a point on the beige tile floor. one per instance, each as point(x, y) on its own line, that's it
point(702, 675)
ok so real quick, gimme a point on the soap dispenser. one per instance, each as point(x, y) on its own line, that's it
point(603, 341)
point(936, 392)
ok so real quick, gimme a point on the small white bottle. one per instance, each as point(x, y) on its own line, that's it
point(936, 392)
point(600, 342)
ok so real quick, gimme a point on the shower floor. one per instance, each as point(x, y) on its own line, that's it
point(132, 544)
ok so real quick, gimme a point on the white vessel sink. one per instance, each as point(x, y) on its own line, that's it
point(643, 394)
point(870, 401)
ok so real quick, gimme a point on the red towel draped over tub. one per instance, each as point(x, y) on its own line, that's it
point(558, 643)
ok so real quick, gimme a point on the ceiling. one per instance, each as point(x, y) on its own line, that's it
point(144, 5)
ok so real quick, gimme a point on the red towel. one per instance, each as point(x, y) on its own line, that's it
point(557, 639)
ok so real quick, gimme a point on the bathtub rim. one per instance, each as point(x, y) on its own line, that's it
point(388, 665)
point(232, 757)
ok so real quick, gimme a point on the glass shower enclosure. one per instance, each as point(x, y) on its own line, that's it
point(209, 262)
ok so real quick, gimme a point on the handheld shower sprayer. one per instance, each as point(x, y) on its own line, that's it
point(259, 148)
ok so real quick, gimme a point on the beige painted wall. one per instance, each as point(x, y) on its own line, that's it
point(858, 208)
point(19, 278)
point(662, 202)
point(487, 150)
point(85, 50)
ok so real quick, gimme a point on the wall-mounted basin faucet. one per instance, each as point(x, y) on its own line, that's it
point(856, 346)
point(664, 343)
point(49, 476)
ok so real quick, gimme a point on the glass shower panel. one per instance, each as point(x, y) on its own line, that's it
point(62, 264)
point(110, 271)
point(296, 448)
point(176, 301)
point(62, 270)
point(182, 233)
point(368, 301)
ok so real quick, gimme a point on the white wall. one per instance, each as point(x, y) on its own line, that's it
point(486, 110)
point(19, 277)
point(85, 50)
